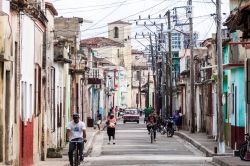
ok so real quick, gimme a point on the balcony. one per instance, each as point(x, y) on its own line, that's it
point(60, 54)
point(95, 76)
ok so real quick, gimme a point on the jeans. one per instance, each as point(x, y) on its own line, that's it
point(72, 146)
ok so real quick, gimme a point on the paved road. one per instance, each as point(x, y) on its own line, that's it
point(133, 147)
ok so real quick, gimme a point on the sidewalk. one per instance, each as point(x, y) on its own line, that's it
point(91, 134)
point(230, 161)
point(203, 143)
point(208, 145)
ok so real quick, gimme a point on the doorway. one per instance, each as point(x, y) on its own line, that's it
point(1, 111)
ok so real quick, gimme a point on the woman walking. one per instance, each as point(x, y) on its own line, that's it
point(111, 123)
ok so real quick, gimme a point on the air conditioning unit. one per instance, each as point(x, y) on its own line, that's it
point(4, 7)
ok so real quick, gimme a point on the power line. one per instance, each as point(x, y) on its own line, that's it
point(106, 15)
point(94, 9)
point(142, 11)
point(84, 7)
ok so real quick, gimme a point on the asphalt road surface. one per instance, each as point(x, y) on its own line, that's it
point(133, 147)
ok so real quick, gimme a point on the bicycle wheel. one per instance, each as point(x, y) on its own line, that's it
point(76, 157)
point(243, 150)
point(170, 132)
point(151, 135)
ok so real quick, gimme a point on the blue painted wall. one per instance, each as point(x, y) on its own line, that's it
point(226, 73)
point(225, 54)
point(237, 78)
point(94, 102)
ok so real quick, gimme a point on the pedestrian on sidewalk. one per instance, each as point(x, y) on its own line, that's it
point(98, 119)
point(179, 119)
point(111, 124)
point(76, 131)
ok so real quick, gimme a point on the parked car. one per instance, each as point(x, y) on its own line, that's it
point(131, 115)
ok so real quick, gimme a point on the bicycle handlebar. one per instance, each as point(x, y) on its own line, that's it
point(77, 141)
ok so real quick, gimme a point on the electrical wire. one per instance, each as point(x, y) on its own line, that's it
point(84, 7)
point(209, 30)
point(100, 8)
point(142, 11)
point(106, 15)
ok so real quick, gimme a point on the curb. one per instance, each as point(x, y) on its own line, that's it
point(89, 145)
point(200, 147)
point(220, 162)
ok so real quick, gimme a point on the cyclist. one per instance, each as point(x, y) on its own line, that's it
point(151, 123)
point(76, 131)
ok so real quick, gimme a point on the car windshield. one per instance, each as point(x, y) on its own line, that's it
point(134, 112)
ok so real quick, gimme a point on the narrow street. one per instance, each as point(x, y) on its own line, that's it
point(133, 147)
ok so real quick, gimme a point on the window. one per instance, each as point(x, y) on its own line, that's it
point(59, 110)
point(138, 75)
point(77, 97)
point(235, 99)
point(30, 97)
point(118, 53)
point(17, 82)
point(37, 97)
point(137, 98)
point(248, 81)
point(24, 101)
point(116, 35)
point(64, 101)
point(233, 106)
point(52, 104)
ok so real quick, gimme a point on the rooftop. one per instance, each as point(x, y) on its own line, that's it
point(51, 7)
point(100, 42)
point(136, 52)
point(119, 22)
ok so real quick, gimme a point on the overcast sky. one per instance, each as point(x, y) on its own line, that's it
point(101, 12)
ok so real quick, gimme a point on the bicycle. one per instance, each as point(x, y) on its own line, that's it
point(170, 128)
point(76, 153)
point(245, 148)
point(151, 133)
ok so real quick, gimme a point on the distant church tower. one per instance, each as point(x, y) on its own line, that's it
point(120, 31)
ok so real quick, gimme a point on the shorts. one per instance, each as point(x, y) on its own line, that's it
point(98, 122)
point(111, 131)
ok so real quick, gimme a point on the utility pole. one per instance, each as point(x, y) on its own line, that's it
point(220, 79)
point(157, 79)
point(164, 85)
point(140, 88)
point(192, 108)
point(170, 64)
point(153, 64)
point(147, 105)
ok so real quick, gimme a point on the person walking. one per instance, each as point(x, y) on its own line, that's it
point(111, 124)
point(98, 119)
point(76, 131)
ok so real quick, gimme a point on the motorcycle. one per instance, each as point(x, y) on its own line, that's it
point(245, 148)
point(167, 126)
point(170, 127)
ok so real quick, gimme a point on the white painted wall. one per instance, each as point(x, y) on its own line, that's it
point(27, 65)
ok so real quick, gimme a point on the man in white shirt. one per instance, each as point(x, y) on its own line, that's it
point(76, 131)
